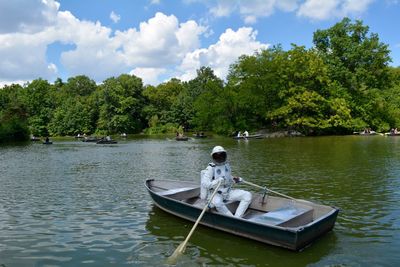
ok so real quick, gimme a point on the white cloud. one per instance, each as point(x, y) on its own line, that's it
point(96, 51)
point(328, 9)
point(27, 16)
point(223, 8)
point(251, 10)
point(159, 41)
point(115, 17)
point(355, 7)
point(230, 46)
point(319, 10)
point(149, 75)
point(160, 46)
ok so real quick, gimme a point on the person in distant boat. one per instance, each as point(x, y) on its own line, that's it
point(108, 138)
point(47, 139)
point(239, 134)
point(246, 133)
point(220, 170)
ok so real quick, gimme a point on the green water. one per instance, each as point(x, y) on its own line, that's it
point(83, 204)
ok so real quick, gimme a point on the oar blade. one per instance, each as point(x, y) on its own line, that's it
point(173, 259)
point(181, 248)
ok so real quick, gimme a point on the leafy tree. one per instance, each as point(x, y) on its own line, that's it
point(40, 103)
point(120, 105)
point(76, 110)
point(72, 118)
point(211, 103)
point(354, 56)
point(79, 86)
point(357, 61)
point(13, 115)
point(162, 99)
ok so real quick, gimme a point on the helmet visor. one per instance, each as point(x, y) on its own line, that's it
point(219, 157)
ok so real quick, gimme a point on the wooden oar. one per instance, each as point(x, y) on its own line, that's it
point(272, 191)
point(181, 248)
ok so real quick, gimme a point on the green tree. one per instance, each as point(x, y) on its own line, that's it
point(162, 100)
point(211, 102)
point(13, 115)
point(77, 109)
point(121, 105)
point(358, 62)
point(38, 97)
point(354, 56)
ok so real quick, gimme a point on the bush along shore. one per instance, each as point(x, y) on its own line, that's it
point(343, 84)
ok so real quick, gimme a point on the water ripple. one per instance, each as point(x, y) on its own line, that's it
point(74, 204)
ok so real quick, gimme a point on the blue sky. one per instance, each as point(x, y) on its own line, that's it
point(160, 39)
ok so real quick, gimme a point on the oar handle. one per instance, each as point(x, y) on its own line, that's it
point(272, 191)
point(183, 245)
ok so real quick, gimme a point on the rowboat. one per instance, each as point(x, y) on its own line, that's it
point(392, 134)
point(253, 136)
point(91, 139)
point(181, 138)
point(269, 219)
point(366, 133)
point(199, 136)
point(104, 141)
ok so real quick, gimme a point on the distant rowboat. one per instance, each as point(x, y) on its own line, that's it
point(254, 136)
point(104, 141)
point(182, 138)
point(90, 139)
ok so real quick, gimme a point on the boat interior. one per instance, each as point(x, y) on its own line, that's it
point(268, 209)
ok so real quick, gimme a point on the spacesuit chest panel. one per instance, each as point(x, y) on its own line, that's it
point(222, 171)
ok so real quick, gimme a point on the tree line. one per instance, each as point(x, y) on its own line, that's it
point(342, 84)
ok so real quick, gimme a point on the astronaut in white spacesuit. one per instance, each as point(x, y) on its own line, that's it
point(219, 170)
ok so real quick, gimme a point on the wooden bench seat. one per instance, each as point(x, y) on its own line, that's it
point(174, 191)
point(183, 193)
point(288, 216)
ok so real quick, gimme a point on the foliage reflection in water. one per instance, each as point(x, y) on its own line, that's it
point(75, 203)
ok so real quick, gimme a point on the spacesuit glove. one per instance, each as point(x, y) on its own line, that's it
point(238, 179)
point(216, 181)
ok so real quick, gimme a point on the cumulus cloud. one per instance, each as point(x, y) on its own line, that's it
point(24, 40)
point(158, 47)
point(149, 75)
point(223, 8)
point(115, 17)
point(328, 9)
point(230, 46)
point(159, 41)
point(96, 50)
point(27, 16)
point(251, 10)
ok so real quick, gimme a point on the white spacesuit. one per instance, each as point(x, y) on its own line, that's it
point(219, 170)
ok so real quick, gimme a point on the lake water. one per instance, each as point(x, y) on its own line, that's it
point(83, 204)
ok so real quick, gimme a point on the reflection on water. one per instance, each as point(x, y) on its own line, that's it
point(75, 203)
point(212, 247)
